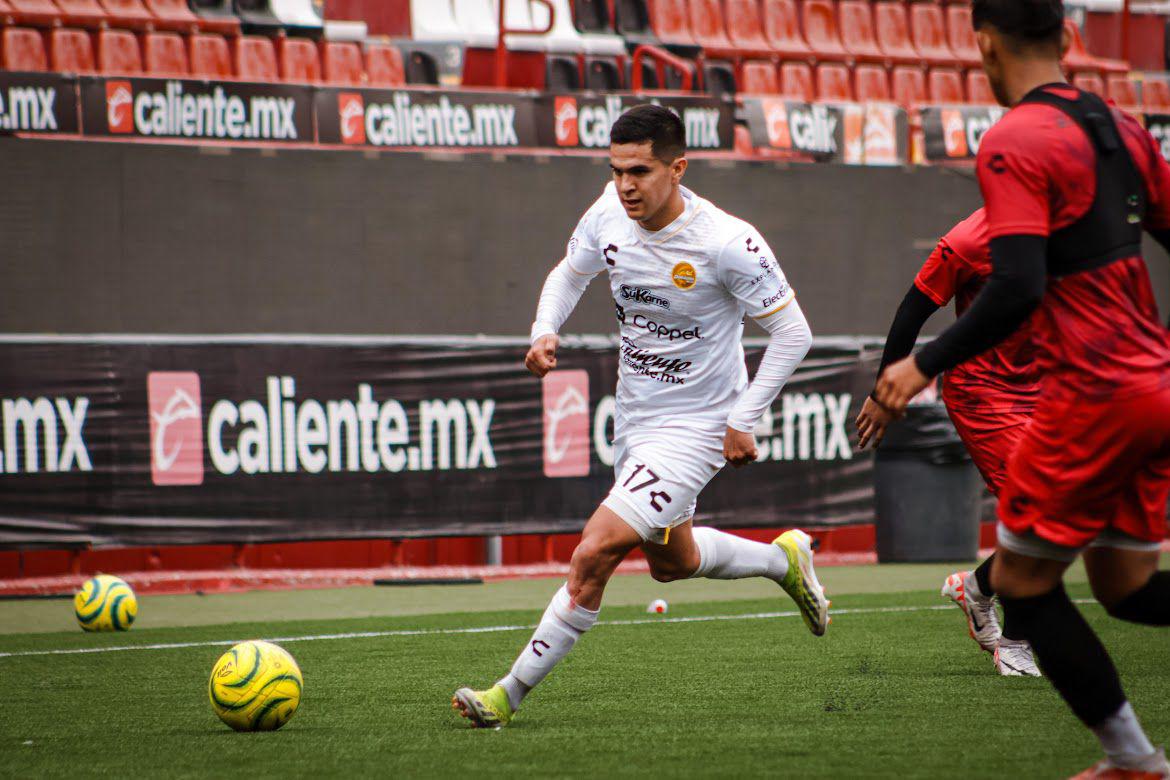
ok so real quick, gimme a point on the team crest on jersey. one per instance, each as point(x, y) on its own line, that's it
point(683, 275)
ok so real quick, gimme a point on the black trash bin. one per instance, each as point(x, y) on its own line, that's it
point(928, 493)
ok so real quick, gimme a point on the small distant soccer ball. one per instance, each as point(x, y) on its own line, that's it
point(657, 606)
point(105, 603)
point(255, 686)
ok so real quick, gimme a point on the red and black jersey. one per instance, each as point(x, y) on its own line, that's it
point(1004, 378)
point(1097, 331)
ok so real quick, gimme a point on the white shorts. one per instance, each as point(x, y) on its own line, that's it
point(660, 472)
point(1037, 547)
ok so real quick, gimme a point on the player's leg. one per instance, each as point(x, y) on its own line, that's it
point(1028, 575)
point(605, 542)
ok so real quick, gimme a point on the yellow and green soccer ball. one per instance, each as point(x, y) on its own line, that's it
point(255, 686)
point(105, 603)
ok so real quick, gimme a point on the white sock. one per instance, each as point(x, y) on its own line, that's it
point(561, 626)
point(1122, 736)
point(725, 556)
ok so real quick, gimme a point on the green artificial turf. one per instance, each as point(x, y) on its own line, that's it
point(886, 693)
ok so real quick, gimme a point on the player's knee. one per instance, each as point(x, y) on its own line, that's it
point(667, 571)
point(592, 560)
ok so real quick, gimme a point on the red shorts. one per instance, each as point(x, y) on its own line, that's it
point(990, 438)
point(1083, 466)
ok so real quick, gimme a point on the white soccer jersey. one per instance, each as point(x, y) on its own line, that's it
point(681, 295)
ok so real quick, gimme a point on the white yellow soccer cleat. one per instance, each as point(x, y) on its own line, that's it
point(982, 622)
point(801, 580)
point(488, 709)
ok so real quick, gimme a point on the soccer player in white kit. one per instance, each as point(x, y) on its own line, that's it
point(683, 275)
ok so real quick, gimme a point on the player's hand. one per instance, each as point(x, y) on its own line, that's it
point(739, 448)
point(542, 356)
point(872, 423)
point(899, 383)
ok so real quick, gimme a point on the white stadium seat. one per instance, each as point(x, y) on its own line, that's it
point(297, 13)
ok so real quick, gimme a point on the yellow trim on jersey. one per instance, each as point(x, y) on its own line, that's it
point(778, 308)
point(682, 227)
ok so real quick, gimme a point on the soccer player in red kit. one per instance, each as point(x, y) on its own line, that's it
point(990, 399)
point(1069, 184)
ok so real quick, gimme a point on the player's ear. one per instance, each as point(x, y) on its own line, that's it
point(986, 44)
point(677, 169)
point(1065, 42)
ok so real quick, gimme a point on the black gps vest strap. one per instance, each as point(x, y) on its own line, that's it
point(1112, 227)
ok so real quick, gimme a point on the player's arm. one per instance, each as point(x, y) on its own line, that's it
point(752, 274)
point(1015, 190)
point(562, 290)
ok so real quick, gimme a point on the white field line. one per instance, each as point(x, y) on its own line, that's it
point(481, 630)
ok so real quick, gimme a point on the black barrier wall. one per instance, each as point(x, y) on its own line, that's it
point(139, 238)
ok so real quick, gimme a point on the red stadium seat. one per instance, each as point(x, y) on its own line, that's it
point(174, 12)
point(946, 86)
point(979, 88)
point(1156, 95)
point(173, 15)
point(22, 49)
point(796, 81)
point(209, 56)
point(255, 59)
point(1090, 82)
point(384, 66)
point(706, 19)
point(1079, 58)
point(928, 33)
point(908, 86)
point(759, 78)
point(857, 32)
point(164, 54)
point(117, 53)
point(893, 32)
point(1123, 91)
point(833, 82)
point(745, 28)
point(669, 21)
point(961, 35)
point(781, 20)
point(70, 51)
point(341, 63)
point(871, 83)
point(131, 14)
point(821, 31)
point(743, 141)
point(82, 13)
point(299, 61)
point(38, 13)
point(7, 17)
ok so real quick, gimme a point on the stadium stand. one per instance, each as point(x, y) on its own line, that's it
point(164, 54)
point(1090, 82)
point(1079, 58)
point(256, 16)
point(118, 53)
point(297, 16)
point(892, 28)
point(384, 66)
point(22, 49)
point(1124, 92)
point(71, 51)
point(961, 36)
point(299, 62)
point(38, 13)
point(821, 31)
point(82, 13)
point(216, 16)
point(174, 15)
point(833, 82)
point(759, 78)
point(781, 20)
point(871, 83)
point(128, 14)
point(255, 58)
point(979, 88)
point(928, 33)
point(341, 63)
point(945, 86)
point(668, 18)
point(796, 81)
point(209, 56)
point(1156, 95)
point(857, 32)
point(908, 86)
point(745, 28)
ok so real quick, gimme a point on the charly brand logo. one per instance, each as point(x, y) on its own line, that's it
point(643, 295)
point(176, 428)
point(565, 121)
point(566, 424)
point(683, 275)
point(954, 133)
point(119, 114)
point(351, 109)
point(776, 122)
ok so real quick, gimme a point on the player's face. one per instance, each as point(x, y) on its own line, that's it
point(991, 48)
point(644, 182)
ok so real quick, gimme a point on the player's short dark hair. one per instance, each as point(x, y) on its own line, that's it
point(1028, 23)
point(660, 126)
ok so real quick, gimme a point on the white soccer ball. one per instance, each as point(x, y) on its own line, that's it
point(658, 606)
